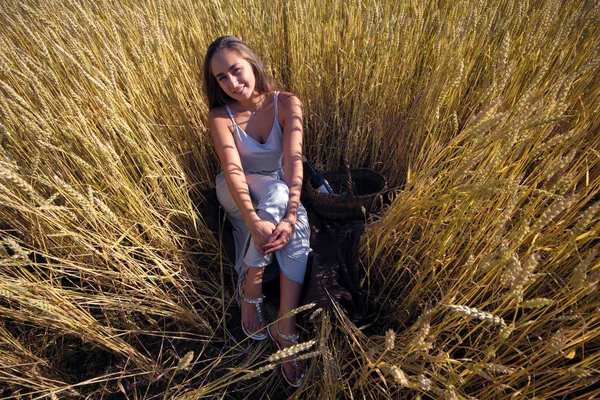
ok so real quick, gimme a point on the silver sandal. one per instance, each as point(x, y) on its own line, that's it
point(293, 339)
point(258, 335)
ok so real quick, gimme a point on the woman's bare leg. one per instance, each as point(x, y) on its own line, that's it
point(289, 299)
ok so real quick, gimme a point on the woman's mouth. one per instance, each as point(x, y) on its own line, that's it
point(239, 91)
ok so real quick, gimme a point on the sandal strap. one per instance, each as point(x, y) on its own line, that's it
point(253, 301)
point(288, 338)
point(256, 302)
point(294, 360)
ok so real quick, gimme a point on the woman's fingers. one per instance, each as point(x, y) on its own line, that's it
point(261, 233)
point(276, 246)
point(273, 236)
point(278, 240)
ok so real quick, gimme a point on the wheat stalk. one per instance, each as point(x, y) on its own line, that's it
point(475, 313)
point(289, 351)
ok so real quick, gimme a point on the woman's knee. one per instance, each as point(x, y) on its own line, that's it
point(280, 193)
point(226, 201)
point(276, 199)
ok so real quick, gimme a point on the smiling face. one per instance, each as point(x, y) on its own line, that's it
point(234, 74)
point(221, 59)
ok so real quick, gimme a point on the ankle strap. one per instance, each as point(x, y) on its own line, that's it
point(289, 338)
point(249, 300)
point(253, 301)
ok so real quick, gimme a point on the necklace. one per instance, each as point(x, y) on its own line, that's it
point(258, 104)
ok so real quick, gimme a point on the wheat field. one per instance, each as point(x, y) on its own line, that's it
point(481, 276)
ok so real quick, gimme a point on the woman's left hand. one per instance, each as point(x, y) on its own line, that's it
point(280, 237)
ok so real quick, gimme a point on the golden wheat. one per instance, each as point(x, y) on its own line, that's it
point(486, 115)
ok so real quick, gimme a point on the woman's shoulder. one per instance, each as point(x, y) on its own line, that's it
point(286, 97)
point(288, 100)
point(219, 120)
point(217, 113)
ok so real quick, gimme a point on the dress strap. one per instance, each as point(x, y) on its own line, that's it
point(231, 115)
point(275, 105)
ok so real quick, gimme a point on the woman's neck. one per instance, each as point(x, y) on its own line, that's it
point(253, 103)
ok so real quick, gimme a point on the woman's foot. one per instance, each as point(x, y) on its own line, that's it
point(253, 319)
point(293, 371)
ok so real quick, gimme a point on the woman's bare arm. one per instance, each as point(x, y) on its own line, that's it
point(290, 113)
point(235, 177)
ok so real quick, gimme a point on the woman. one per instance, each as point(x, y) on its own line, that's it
point(257, 133)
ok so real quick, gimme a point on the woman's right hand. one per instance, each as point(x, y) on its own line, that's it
point(261, 230)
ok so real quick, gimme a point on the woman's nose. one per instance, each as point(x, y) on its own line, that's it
point(232, 81)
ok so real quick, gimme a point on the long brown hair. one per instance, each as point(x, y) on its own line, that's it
point(215, 96)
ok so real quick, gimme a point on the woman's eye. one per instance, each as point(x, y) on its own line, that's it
point(236, 70)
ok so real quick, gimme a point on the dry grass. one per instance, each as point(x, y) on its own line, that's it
point(485, 267)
